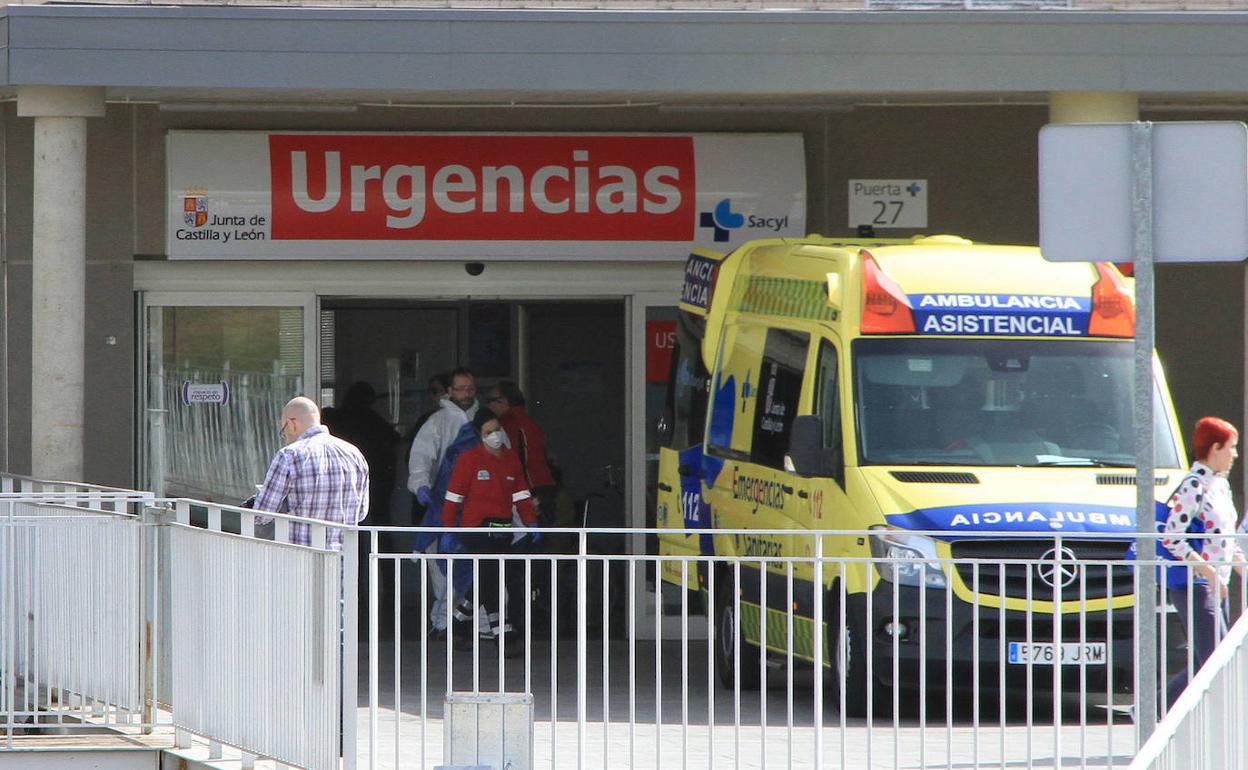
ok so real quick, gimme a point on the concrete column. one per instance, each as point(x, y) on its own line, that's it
point(1093, 107)
point(59, 270)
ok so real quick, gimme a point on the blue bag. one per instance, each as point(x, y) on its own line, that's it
point(1167, 575)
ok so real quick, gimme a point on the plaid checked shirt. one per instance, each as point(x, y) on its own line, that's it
point(317, 477)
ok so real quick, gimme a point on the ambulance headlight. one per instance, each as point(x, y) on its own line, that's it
point(906, 559)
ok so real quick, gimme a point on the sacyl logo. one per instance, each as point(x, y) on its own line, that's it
point(722, 219)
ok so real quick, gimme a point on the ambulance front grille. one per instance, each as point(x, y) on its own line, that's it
point(1094, 572)
point(1121, 480)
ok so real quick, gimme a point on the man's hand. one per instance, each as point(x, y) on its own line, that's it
point(422, 495)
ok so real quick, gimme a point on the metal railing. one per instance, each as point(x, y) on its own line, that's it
point(1005, 651)
point(71, 611)
point(111, 499)
point(923, 671)
point(1202, 731)
point(255, 633)
point(114, 604)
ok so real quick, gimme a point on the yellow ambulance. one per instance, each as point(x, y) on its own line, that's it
point(927, 385)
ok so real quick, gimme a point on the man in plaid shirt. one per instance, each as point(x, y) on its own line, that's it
point(315, 476)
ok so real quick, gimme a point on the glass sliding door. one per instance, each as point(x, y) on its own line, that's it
point(217, 377)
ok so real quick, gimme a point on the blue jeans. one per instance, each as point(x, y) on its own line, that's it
point(1205, 626)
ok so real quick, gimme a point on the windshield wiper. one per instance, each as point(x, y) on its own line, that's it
point(1091, 462)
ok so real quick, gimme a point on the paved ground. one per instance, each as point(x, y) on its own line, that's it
point(629, 727)
point(741, 735)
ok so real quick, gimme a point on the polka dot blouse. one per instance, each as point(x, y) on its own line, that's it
point(1206, 496)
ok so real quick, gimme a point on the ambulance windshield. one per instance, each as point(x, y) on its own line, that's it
point(999, 402)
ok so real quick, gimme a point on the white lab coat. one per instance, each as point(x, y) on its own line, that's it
point(430, 444)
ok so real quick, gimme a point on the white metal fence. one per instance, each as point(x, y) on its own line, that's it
point(111, 499)
point(71, 618)
point(255, 636)
point(100, 614)
point(1203, 730)
point(1007, 650)
point(949, 662)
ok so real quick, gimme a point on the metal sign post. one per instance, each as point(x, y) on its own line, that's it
point(1145, 455)
point(1144, 193)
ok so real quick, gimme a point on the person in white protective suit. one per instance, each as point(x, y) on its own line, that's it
point(457, 408)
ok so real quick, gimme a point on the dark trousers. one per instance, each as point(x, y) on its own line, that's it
point(485, 589)
point(545, 505)
point(1205, 626)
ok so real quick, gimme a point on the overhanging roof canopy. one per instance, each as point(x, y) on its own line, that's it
point(418, 55)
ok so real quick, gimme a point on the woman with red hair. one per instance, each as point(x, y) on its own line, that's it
point(1202, 503)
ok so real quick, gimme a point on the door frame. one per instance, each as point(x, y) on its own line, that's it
point(635, 413)
point(644, 605)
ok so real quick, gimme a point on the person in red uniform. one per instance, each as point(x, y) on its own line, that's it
point(486, 485)
point(527, 437)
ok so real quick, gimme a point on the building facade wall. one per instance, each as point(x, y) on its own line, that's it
point(980, 163)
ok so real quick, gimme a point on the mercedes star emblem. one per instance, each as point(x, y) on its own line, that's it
point(1058, 570)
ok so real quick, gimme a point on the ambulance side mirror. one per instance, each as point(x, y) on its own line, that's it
point(805, 457)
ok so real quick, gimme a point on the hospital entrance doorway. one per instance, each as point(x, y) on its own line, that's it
point(377, 357)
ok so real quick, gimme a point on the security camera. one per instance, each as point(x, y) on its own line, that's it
point(474, 268)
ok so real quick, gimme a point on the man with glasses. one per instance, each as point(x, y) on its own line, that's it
point(315, 475)
point(457, 408)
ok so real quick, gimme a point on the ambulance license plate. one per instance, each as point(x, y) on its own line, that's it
point(1046, 653)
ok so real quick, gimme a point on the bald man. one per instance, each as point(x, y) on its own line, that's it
point(315, 475)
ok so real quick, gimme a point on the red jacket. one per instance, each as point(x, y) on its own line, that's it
point(486, 487)
point(529, 440)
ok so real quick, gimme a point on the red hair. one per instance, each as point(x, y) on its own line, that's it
point(1210, 431)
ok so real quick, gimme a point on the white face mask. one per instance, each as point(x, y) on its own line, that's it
point(493, 439)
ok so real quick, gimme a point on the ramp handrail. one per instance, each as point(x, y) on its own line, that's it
point(71, 612)
point(241, 629)
point(12, 482)
point(256, 632)
point(1202, 730)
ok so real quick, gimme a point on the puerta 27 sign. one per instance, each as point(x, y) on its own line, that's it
point(271, 195)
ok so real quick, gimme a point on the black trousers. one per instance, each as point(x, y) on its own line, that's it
point(485, 589)
point(1208, 624)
